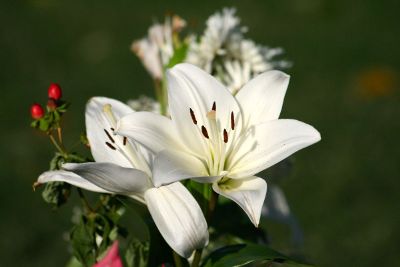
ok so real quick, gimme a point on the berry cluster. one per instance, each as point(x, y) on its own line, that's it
point(49, 119)
point(54, 93)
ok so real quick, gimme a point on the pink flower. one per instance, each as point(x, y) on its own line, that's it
point(112, 258)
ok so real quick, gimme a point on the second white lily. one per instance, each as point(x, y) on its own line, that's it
point(217, 138)
point(124, 167)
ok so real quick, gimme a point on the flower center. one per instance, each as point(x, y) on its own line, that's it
point(120, 144)
point(216, 138)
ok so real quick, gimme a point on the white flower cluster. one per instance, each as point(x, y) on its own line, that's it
point(224, 52)
point(156, 49)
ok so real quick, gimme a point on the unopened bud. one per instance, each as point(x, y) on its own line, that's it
point(54, 91)
point(51, 104)
point(37, 111)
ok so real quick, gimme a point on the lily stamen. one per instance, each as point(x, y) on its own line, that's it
point(110, 146)
point(193, 116)
point(204, 132)
point(232, 121)
point(225, 136)
point(109, 136)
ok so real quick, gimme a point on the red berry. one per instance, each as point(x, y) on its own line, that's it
point(51, 104)
point(37, 111)
point(54, 91)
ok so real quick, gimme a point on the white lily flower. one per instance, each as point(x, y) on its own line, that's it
point(215, 137)
point(124, 167)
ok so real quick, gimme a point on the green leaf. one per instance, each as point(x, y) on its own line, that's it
point(178, 56)
point(56, 161)
point(240, 255)
point(62, 106)
point(137, 253)
point(84, 242)
point(56, 193)
point(44, 123)
point(75, 158)
point(35, 124)
point(73, 262)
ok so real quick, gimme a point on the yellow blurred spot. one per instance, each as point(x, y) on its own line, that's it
point(376, 82)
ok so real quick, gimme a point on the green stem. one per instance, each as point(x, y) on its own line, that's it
point(58, 147)
point(211, 206)
point(177, 259)
point(164, 92)
point(197, 258)
point(84, 200)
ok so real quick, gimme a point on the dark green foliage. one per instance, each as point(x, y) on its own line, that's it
point(243, 254)
point(56, 193)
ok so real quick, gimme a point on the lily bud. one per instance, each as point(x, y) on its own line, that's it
point(54, 91)
point(37, 111)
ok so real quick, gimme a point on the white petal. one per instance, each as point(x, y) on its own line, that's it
point(112, 177)
point(178, 217)
point(171, 166)
point(189, 87)
point(154, 131)
point(97, 123)
point(268, 143)
point(71, 178)
point(261, 99)
point(249, 193)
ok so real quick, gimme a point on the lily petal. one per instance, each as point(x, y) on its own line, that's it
point(178, 217)
point(249, 193)
point(96, 126)
point(172, 166)
point(191, 94)
point(71, 178)
point(111, 177)
point(272, 142)
point(261, 99)
point(153, 131)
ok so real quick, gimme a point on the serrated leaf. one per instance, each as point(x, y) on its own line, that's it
point(56, 193)
point(240, 255)
point(56, 161)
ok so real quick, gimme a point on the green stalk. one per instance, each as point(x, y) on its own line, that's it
point(197, 258)
point(177, 259)
point(58, 147)
point(85, 202)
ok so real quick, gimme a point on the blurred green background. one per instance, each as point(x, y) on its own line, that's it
point(345, 82)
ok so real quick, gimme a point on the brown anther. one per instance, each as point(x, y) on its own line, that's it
point(125, 139)
point(232, 121)
point(204, 131)
point(109, 136)
point(110, 146)
point(214, 107)
point(112, 129)
point(225, 136)
point(193, 116)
